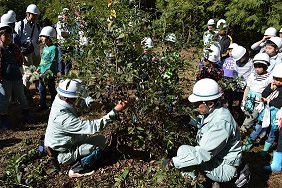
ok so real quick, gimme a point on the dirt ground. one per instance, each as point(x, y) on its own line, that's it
point(10, 144)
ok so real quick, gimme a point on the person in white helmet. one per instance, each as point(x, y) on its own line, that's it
point(272, 47)
point(49, 62)
point(211, 69)
point(11, 76)
point(218, 152)
point(10, 19)
point(260, 45)
point(67, 134)
point(208, 35)
point(223, 38)
point(244, 67)
point(271, 97)
point(256, 83)
point(228, 74)
point(28, 29)
point(280, 51)
point(145, 60)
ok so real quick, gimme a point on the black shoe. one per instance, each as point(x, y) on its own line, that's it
point(77, 170)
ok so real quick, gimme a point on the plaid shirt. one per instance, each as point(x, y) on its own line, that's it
point(19, 58)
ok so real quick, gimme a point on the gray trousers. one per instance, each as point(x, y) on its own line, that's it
point(83, 148)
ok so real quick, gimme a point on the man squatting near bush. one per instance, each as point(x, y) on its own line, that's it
point(67, 134)
point(218, 152)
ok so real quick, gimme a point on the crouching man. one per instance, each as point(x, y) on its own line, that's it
point(218, 151)
point(66, 133)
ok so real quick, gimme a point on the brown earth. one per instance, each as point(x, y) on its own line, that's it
point(23, 137)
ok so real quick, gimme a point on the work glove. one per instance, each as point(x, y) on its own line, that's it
point(242, 106)
point(88, 100)
point(260, 107)
point(2, 91)
point(242, 84)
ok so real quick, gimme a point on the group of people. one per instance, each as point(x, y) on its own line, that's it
point(257, 88)
point(218, 153)
point(25, 47)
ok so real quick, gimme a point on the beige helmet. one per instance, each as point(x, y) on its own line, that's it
point(205, 89)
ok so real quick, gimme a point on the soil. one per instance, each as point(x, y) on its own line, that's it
point(11, 143)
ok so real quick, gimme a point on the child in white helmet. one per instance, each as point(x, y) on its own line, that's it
point(10, 19)
point(260, 45)
point(271, 98)
point(211, 69)
point(228, 70)
point(244, 67)
point(256, 83)
point(11, 76)
point(48, 67)
point(272, 47)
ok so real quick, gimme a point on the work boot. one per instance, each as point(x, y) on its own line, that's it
point(276, 165)
point(266, 147)
point(4, 121)
point(26, 115)
point(77, 170)
point(248, 144)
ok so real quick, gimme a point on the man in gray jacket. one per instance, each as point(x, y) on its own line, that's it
point(67, 134)
point(218, 151)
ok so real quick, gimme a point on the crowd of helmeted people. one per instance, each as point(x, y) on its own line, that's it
point(218, 154)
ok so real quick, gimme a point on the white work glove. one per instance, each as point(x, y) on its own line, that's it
point(260, 107)
point(243, 103)
point(2, 91)
point(242, 84)
point(279, 114)
point(88, 100)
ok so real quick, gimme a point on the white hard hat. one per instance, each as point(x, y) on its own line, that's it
point(147, 43)
point(60, 17)
point(221, 24)
point(280, 31)
point(211, 22)
point(8, 19)
point(238, 52)
point(277, 41)
point(271, 31)
point(65, 10)
point(5, 26)
point(205, 89)
point(232, 45)
point(32, 8)
point(48, 31)
point(171, 38)
point(277, 71)
point(212, 53)
point(12, 12)
point(70, 88)
point(262, 58)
